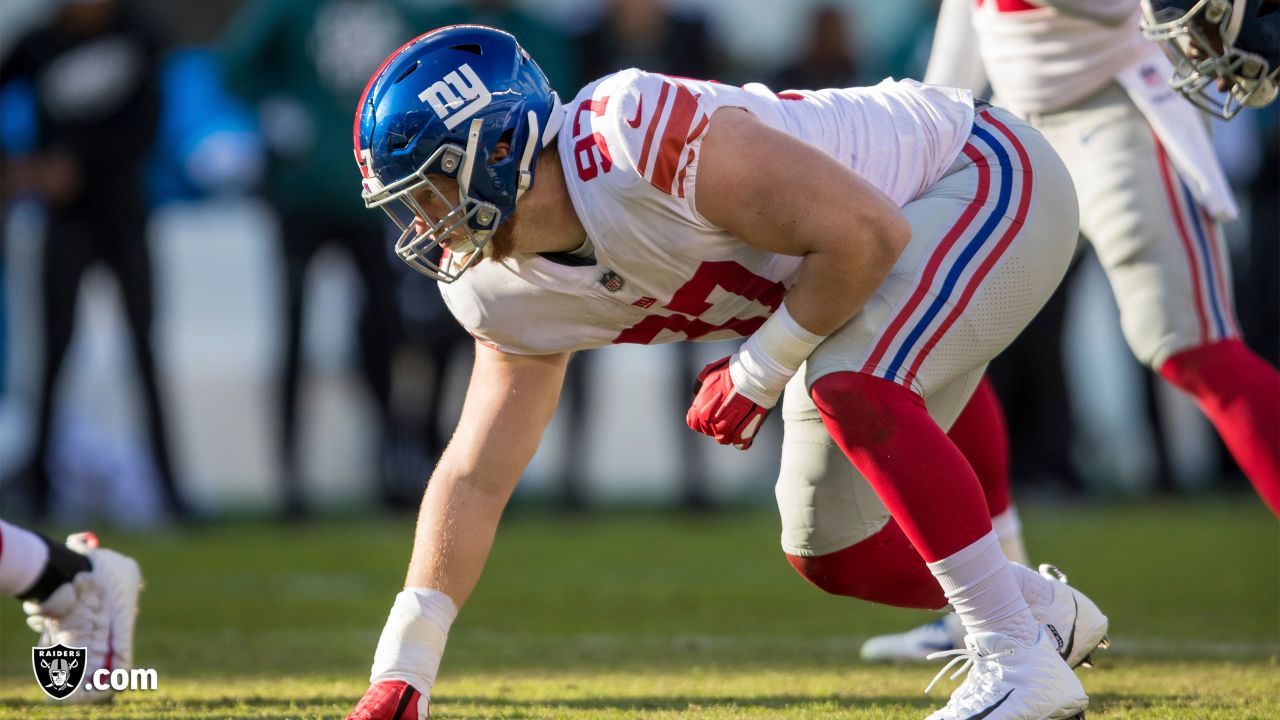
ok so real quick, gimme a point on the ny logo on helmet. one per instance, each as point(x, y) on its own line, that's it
point(59, 669)
point(457, 97)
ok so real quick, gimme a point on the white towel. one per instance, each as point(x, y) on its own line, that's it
point(1181, 129)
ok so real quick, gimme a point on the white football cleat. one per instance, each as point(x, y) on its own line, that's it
point(945, 633)
point(1075, 622)
point(96, 611)
point(1011, 681)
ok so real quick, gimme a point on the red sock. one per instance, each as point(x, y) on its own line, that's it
point(1240, 393)
point(983, 437)
point(884, 568)
point(916, 470)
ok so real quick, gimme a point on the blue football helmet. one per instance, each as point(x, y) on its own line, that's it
point(438, 107)
point(1237, 41)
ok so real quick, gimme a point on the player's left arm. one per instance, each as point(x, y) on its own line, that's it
point(782, 195)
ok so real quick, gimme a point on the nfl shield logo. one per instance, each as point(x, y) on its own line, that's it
point(59, 669)
point(613, 282)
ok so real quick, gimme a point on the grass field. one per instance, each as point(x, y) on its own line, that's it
point(648, 615)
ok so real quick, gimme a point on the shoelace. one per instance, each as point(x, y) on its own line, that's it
point(985, 671)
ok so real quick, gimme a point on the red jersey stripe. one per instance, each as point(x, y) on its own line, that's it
point(674, 138)
point(1180, 224)
point(1215, 261)
point(939, 254)
point(1015, 226)
point(653, 126)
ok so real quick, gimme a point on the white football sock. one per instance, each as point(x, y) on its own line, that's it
point(413, 639)
point(979, 582)
point(23, 556)
point(1037, 590)
point(1008, 529)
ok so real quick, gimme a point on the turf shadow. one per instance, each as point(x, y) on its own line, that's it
point(685, 702)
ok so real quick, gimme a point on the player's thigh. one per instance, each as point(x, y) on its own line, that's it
point(990, 242)
point(1164, 256)
point(824, 502)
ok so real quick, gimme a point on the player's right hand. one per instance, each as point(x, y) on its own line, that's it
point(720, 411)
point(391, 700)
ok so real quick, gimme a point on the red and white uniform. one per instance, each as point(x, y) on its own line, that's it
point(629, 146)
point(994, 224)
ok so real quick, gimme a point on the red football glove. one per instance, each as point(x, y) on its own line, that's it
point(720, 411)
point(391, 700)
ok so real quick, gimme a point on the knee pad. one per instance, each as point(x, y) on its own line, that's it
point(824, 502)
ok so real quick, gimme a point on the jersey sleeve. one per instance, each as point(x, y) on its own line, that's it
point(639, 134)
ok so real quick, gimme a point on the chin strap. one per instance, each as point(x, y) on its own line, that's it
point(537, 140)
point(526, 159)
point(469, 160)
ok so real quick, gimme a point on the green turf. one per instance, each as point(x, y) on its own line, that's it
point(651, 615)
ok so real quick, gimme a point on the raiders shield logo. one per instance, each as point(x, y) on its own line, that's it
point(59, 669)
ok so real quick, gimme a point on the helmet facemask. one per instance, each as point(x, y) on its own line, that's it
point(433, 158)
point(1200, 60)
point(463, 231)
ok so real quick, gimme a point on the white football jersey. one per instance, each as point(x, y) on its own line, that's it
point(661, 272)
point(1044, 55)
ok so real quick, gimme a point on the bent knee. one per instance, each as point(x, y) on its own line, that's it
point(871, 571)
point(824, 502)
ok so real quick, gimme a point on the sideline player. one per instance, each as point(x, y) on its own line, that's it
point(75, 594)
point(1233, 45)
point(1151, 197)
point(879, 245)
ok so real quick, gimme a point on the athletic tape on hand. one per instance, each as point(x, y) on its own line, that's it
point(413, 639)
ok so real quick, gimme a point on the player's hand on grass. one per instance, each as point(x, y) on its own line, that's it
point(721, 411)
point(391, 700)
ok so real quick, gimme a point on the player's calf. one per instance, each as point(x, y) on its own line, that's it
point(884, 569)
point(1238, 391)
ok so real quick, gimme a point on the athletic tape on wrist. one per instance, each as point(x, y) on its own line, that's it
point(766, 361)
point(414, 637)
point(61, 568)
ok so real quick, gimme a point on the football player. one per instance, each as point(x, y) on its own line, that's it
point(875, 248)
point(1233, 45)
point(1151, 199)
point(77, 594)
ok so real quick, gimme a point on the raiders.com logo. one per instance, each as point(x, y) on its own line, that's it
point(59, 669)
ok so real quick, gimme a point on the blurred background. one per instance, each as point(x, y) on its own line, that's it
point(198, 318)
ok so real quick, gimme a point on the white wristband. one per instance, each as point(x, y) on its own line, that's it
point(766, 361)
point(413, 639)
